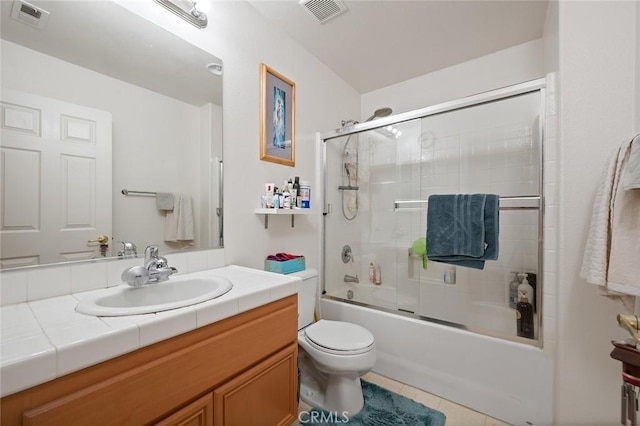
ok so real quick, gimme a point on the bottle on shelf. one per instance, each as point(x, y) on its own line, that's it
point(525, 287)
point(305, 195)
point(296, 189)
point(524, 317)
point(372, 273)
point(450, 275)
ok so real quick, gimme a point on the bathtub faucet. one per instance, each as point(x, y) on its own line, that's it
point(351, 279)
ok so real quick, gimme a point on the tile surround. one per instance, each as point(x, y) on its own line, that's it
point(500, 159)
point(48, 281)
point(44, 339)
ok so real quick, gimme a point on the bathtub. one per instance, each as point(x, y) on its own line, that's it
point(484, 317)
point(504, 379)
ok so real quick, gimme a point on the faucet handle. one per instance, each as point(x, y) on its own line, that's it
point(136, 276)
point(151, 251)
point(129, 249)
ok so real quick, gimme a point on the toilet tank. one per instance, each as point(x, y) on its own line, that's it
point(307, 296)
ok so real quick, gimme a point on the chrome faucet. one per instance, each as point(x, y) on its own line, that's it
point(155, 269)
point(351, 279)
point(129, 250)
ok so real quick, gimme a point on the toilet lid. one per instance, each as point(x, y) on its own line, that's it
point(339, 335)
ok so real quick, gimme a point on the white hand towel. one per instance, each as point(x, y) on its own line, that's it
point(164, 201)
point(612, 254)
point(631, 176)
point(179, 223)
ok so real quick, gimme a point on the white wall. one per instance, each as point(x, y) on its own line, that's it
point(509, 66)
point(598, 43)
point(243, 39)
point(155, 138)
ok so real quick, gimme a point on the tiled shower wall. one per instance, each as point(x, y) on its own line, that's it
point(493, 148)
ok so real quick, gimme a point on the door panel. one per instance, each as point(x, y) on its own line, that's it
point(55, 193)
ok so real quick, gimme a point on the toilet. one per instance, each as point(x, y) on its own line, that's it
point(332, 355)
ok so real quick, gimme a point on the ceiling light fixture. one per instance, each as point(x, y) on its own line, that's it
point(186, 9)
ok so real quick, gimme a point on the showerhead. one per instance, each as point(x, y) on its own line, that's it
point(381, 112)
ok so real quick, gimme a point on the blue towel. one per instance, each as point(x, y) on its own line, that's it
point(463, 229)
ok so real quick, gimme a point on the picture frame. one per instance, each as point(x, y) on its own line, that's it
point(277, 117)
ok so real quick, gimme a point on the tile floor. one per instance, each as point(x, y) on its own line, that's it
point(457, 415)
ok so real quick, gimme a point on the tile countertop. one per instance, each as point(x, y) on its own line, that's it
point(45, 339)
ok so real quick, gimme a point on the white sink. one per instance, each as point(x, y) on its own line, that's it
point(177, 292)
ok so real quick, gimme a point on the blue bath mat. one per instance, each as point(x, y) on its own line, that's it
point(381, 408)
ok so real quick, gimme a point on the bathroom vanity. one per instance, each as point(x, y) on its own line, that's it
point(240, 370)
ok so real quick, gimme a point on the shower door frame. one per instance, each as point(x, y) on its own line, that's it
point(528, 87)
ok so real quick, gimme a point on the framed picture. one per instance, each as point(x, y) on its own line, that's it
point(277, 117)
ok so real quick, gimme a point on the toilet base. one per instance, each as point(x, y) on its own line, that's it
point(340, 394)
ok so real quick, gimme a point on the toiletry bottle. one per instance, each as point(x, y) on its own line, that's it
point(524, 317)
point(513, 291)
point(296, 188)
point(533, 282)
point(450, 275)
point(305, 194)
point(525, 287)
point(378, 274)
point(286, 199)
point(372, 273)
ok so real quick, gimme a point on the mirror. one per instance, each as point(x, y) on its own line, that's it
point(97, 101)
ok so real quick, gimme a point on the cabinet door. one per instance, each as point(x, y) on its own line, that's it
point(198, 413)
point(270, 389)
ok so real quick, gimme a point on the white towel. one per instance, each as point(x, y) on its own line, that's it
point(612, 254)
point(179, 223)
point(164, 201)
point(631, 176)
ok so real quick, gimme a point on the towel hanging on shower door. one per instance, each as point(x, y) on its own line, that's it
point(463, 229)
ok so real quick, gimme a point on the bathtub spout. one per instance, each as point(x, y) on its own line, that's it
point(351, 279)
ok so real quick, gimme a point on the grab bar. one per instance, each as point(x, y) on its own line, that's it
point(524, 202)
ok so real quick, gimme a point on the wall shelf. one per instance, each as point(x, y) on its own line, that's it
point(281, 212)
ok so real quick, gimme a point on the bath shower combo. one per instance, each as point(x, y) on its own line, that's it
point(486, 143)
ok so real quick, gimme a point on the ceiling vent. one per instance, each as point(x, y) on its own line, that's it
point(324, 10)
point(29, 14)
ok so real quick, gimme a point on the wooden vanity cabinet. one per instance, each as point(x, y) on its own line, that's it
point(238, 371)
point(198, 413)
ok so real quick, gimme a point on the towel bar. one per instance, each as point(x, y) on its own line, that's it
point(529, 202)
point(128, 192)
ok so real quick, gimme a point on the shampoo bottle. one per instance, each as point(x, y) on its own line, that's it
point(378, 280)
point(524, 317)
point(372, 273)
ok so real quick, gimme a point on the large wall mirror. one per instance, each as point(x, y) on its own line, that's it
point(97, 101)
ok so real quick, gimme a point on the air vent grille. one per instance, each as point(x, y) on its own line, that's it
point(324, 10)
point(29, 14)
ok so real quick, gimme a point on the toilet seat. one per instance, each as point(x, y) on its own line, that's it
point(339, 337)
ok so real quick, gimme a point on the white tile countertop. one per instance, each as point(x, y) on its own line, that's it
point(45, 339)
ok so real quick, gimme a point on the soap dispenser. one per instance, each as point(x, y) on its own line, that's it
point(525, 287)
